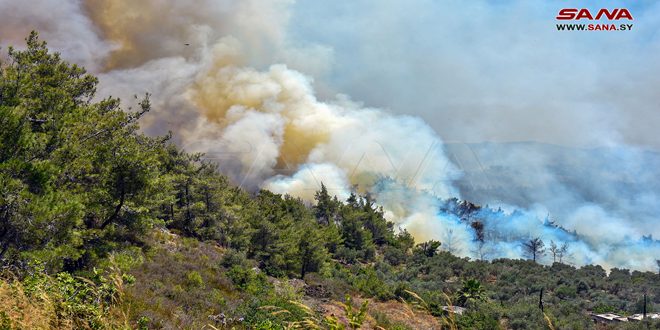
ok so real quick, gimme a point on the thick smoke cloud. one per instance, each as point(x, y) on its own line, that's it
point(237, 80)
point(498, 67)
point(501, 72)
point(275, 110)
point(63, 23)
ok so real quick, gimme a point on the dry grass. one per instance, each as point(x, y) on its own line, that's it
point(41, 305)
point(547, 319)
point(37, 311)
point(310, 321)
point(166, 292)
point(446, 322)
point(401, 313)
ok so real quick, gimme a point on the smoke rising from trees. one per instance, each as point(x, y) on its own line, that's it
point(229, 81)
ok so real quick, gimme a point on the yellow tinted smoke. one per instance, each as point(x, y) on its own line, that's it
point(144, 30)
point(274, 111)
point(224, 86)
point(147, 29)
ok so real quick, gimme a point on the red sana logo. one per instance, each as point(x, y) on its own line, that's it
point(578, 14)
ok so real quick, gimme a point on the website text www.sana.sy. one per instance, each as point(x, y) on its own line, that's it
point(594, 27)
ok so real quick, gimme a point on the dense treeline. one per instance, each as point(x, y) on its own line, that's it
point(85, 198)
point(76, 177)
point(79, 179)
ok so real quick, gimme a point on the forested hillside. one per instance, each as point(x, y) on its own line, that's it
point(104, 227)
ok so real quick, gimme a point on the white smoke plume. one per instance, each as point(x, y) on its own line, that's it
point(230, 82)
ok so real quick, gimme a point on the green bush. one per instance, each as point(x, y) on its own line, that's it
point(61, 299)
point(370, 283)
point(234, 258)
point(565, 292)
point(394, 256)
point(480, 316)
point(194, 279)
point(250, 280)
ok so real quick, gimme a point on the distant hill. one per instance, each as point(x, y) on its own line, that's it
point(621, 180)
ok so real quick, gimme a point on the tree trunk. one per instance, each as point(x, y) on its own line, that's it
point(115, 214)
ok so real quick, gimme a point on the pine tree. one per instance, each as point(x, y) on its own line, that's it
point(311, 250)
point(326, 207)
point(534, 248)
point(77, 174)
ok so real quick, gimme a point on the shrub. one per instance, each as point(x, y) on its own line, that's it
point(234, 258)
point(565, 292)
point(394, 256)
point(249, 280)
point(480, 316)
point(368, 282)
point(347, 255)
point(62, 301)
point(194, 279)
